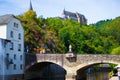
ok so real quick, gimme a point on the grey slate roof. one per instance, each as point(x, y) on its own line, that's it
point(67, 13)
point(6, 18)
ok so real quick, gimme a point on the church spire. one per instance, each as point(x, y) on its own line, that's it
point(31, 8)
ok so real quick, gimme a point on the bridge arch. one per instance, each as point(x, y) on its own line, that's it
point(90, 63)
point(81, 68)
point(51, 61)
point(45, 69)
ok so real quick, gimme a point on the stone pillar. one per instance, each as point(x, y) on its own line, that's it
point(71, 75)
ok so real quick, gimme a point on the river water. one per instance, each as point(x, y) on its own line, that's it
point(55, 72)
point(103, 74)
point(98, 76)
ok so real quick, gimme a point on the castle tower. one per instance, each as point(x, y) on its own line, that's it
point(78, 17)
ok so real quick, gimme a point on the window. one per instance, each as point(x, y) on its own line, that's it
point(15, 56)
point(7, 55)
point(19, 36)
point(21, 66)
point(14, 66)
point(11, 46)
point(19, 47)
point(20, 57)
point(11, 34)
point(7, 60)
point(16, 25)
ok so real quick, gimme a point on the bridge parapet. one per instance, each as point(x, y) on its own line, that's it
point(32, 59)
point(90, 59)
point(81, 59)
point(54, 58)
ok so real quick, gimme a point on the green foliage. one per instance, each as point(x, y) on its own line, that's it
point(102, 23)
point(116, 50)
point(34, 34)
point(55, 35)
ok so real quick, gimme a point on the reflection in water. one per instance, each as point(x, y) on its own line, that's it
point(98, 76)
point(95, 74)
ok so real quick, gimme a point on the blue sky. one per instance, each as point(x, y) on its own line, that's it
point(94, 10)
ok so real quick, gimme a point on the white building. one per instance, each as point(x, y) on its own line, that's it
point(2, 64)
point(12, 31)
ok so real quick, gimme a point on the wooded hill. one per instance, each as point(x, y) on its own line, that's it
point(55, 35)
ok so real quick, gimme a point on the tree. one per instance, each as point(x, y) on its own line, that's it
point(116, 50)
point(56, 35)
point(33, 30)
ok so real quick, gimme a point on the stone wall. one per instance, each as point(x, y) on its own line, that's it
point(78, 62)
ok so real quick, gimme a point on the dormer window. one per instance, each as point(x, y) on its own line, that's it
point(16, 25)
point(11, 34)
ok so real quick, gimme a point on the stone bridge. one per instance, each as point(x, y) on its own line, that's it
point(71, 63)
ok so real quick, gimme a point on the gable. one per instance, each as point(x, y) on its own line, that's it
point(6, 18)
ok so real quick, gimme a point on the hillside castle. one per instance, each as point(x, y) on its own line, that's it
point(69, 15)
point(74, 16)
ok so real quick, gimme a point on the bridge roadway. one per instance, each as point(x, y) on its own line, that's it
point(71, 63)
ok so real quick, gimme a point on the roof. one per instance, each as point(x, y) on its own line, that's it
point(67, 13)
point(6, 18)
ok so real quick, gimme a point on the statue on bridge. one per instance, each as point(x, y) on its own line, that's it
point(70, 55)
point(70, 48)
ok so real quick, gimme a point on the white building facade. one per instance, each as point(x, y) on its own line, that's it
point(2, 64)
point(12, 32)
